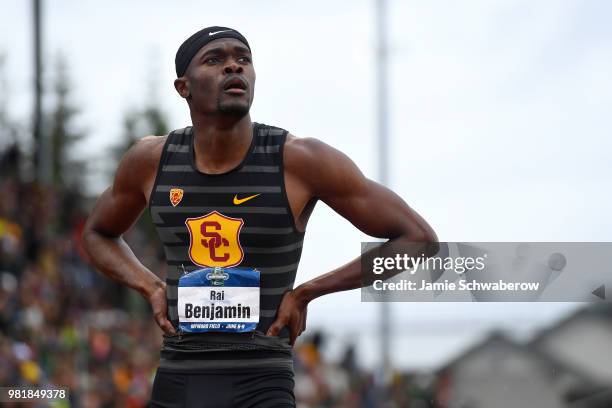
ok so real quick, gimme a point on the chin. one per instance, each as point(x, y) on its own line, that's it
point(237, 109)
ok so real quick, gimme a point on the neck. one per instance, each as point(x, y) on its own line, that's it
point(220, 142)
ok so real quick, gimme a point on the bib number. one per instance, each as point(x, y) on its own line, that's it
point(219, 300)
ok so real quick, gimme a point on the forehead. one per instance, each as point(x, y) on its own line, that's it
point(226, 44)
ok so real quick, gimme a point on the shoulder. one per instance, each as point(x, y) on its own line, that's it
point(319, 164)
point(146, 150)
point(139, 163)
point(300, 151)
point(149, 147)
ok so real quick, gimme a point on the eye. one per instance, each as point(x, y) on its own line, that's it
point(244, 59)
point(212, 60)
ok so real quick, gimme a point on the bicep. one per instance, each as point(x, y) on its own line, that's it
point(115, 212)
point(375, 210)
point(120, 206)
point(371, 207)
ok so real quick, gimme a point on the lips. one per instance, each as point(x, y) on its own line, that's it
point(235, 85)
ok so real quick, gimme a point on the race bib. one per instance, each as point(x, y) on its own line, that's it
point(219, 300)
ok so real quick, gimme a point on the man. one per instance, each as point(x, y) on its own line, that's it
point(231, 199)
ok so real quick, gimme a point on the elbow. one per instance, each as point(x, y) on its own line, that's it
point(425, 236)
point(422, 233)
point(433, 245)
point(94, 237)
point(430, 235)
point(90, 238)
point(87, 240)
point(430, 239)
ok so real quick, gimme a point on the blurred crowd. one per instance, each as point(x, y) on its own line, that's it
point(320, 383)
point(62, 324)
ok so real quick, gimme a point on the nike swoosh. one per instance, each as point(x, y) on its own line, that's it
point(238, 201)
point(217, 32)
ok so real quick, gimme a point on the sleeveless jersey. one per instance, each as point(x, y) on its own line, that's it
point(250, 208)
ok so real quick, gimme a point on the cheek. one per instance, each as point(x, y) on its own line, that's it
point(204, 82)
point(207, 84)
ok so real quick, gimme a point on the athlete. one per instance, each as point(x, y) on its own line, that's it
point(230, 199)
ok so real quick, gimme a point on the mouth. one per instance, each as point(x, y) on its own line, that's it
point(235, 86)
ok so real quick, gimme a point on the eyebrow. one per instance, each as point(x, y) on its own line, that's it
point(220, 50)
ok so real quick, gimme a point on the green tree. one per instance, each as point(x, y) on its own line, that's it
point(138, 123)
point(151, 120)
point(10, 151)
point(67, 172)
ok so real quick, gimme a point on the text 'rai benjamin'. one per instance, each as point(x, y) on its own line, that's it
point(212, 312)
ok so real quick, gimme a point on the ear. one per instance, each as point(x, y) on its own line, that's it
point(182, 87)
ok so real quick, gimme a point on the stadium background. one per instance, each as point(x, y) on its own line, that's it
point(497, 131)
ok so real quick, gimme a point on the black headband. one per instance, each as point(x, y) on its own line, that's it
point(193, 44)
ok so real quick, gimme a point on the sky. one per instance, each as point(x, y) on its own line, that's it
point(498, 117)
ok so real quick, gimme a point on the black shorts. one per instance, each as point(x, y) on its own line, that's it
point(243, 389)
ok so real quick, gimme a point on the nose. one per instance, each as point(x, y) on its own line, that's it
point(233, 68)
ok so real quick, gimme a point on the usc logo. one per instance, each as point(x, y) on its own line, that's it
point(214, 240)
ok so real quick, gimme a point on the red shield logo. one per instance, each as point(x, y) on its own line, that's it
point(176, 195)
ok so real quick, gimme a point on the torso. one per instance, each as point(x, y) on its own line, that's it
point(299, 195)
point(201, 224)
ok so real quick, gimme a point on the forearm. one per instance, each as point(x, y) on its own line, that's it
point(114, 258)
point(350, 275)
point(346, 277)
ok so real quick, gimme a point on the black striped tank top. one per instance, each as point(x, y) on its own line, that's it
point(269, 239)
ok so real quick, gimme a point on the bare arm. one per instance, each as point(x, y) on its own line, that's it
point(329, 175)
point(371, 207)
point(117, 209)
